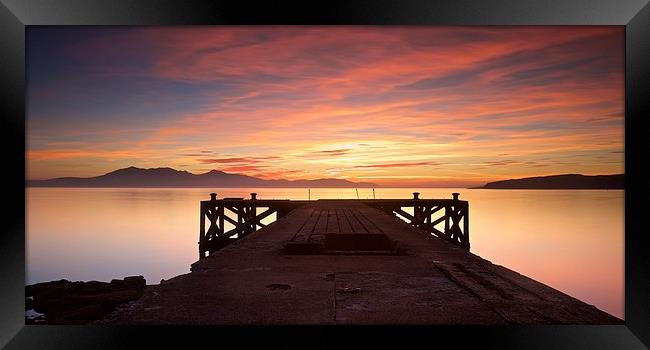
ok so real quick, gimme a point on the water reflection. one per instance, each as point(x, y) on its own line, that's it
point(571, 240)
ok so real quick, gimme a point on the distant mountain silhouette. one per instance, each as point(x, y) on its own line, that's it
point(568, 181)
point(168, 177)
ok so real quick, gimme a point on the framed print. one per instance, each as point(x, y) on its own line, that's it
point(464, 172)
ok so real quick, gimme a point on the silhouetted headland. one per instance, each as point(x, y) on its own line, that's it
point(568, 181)
point(168, 177)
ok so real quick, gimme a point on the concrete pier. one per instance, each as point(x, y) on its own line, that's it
point(301, 270)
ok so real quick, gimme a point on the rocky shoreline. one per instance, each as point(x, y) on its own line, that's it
point(65, 302)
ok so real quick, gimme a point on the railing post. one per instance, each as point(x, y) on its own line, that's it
point(202, 239)
point(252, 214)
point(416, 210)
point(454, 233)
point(463, 236)
point(447, 218)
point(240, 221)
point(466, 226)
point(202, 231)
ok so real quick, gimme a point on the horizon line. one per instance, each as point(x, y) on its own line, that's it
point(423, 184)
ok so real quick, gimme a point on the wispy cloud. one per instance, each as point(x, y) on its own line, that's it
point(227, 160)
point(398, 165)
point(351, 102)
point(333, 152)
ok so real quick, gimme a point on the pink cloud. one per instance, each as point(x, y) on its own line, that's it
point(460, 95)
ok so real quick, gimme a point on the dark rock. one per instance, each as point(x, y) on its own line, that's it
point(117, 283)
point(135, 281)
point(65, 302)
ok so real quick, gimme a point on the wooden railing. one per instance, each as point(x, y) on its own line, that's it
point(444, 218)
point(241, 214)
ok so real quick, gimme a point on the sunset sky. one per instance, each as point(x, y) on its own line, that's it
point(398, 106)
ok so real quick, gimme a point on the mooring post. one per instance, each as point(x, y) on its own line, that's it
point(416, 195)
point(213, 197)
point(455, 194)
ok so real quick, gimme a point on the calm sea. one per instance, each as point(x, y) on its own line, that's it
point(571, 240)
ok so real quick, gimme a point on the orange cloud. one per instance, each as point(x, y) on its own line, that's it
point(397, 165)
point(343, 101)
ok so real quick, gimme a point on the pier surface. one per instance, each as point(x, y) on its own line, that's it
point(427, 280)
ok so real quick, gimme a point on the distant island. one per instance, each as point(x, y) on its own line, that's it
point(168, 177)
point(567, 181)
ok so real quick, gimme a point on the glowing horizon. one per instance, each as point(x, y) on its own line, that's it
point(398, 106)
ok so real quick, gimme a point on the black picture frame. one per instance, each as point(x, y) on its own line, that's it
point(15, 15)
